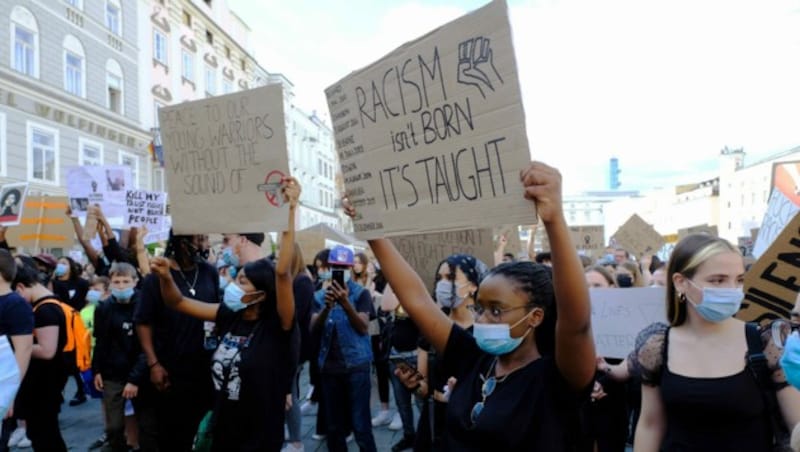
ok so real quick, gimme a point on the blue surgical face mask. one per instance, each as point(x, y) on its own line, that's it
point(93, 296)
point(61, 270)
point(718, 303)
point(223, 282)
point(445, 293)
point(122, 295)
point(325, 275)
point(790, 361)
point(230, 258)
point(495, 338)
point(347, 275)
point(233, 297)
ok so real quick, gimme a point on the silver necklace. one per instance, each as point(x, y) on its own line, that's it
point(191, 286)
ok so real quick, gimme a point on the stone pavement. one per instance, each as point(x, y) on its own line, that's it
point(83, 424)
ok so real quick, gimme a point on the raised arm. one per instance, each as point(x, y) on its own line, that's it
point(173, 297)
point(91, 253)
point(142, 259)
point(575, 355)
point(284, 281)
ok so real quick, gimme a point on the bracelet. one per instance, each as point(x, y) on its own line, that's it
point(153, 365)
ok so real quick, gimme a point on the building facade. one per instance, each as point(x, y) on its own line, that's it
point(68, 90)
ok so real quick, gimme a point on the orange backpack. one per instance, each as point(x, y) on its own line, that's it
point(79, 340)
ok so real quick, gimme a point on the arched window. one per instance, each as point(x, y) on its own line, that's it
point(24, 42)
point(74, 66)
point(115, 85)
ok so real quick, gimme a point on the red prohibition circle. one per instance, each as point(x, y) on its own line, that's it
point(273, 177)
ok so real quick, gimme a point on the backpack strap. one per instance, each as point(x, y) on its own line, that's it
point(46, 300)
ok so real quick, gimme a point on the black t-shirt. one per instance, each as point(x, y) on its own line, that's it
point(41, 388)
point(405, 334)
point(303, 301)
point(72, 292)
point(16, 315)
point(178, 339)
point(532, 409)
point(255, 361)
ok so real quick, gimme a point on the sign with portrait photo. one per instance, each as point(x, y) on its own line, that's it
point(106, 186)
point(12, 201)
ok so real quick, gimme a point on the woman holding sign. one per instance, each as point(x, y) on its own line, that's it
point(709, 379)
point(522, 375)
point(258, 349)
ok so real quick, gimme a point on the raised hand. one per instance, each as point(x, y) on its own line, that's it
point(160, 266)
point(542, 185)
point(291, 189)
point(476, 64)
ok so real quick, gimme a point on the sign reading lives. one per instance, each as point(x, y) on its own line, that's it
point(432, 136)
point(225, 159)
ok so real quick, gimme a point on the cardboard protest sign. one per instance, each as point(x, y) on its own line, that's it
point(771, 285)
point(225, 159)
point(637, 237)
point(12, 203)
point(432, 137)
point(105, 186)
point(780, 210)
point(700, 229)
point(513, 243)
point(44, 224)
point(424, 252)
point(618, 315)
point(590, 239)
point(318, 237)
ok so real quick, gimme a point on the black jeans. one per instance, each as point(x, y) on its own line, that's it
point(177, 412)
point(43, 429)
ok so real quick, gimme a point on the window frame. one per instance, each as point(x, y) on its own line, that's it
point(3, 144)
point(78, 4)
point(118, 5)
point(35, 56)
point(121, 154)
point(213, 73)
point(30, 126)
point(82, 73)
point(111, 71)
point(186, 55)
point(82, 142)
point(156, 34)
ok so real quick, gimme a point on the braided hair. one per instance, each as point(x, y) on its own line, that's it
point(535, 282)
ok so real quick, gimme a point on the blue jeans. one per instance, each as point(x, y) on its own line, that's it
point(402, 397)
point(294, 419)
point(348, 396)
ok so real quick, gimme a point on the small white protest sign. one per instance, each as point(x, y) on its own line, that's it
point(618, 315)
point(106, 186)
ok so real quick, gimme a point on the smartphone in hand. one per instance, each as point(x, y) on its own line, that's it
point(338, 276)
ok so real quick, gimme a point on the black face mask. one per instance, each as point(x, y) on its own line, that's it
point(624, 281)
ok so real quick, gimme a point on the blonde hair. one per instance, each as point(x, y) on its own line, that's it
point(689, 254)
point(638, 280)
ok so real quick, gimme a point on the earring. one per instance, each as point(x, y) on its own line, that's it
point(682, 297)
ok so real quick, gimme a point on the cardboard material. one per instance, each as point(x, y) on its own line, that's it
point(700, 229)
point(105, 186)
point(637, 237)
point(44, 224)
point(12, 203)
point(589, 239)
point(771, 285)
point(513, 244)
point(432, 137)
point(225, 159)
point(618, 315)
point(424, 252)
point(316, 238)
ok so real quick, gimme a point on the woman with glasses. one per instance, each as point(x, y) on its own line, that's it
point(522, 376)
point(698, 391)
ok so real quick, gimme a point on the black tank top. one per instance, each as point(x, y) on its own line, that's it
point(713, 414)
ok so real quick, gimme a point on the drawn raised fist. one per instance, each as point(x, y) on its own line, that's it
point(476, 64)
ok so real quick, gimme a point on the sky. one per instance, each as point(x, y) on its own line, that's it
point(661, 85)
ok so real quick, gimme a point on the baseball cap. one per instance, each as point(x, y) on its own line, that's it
point(341, 255)
point(46, 259)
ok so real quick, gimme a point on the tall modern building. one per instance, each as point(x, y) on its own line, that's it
point(69, 90)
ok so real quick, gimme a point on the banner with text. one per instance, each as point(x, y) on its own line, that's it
point(44, 224)
point(225, 159)
point(148, 209)
point(591, 240)
point(106, 186)
point(638, 237)
point(771, 285)
point(424, 252)
point(12, 203)
point(432, 137)
point(618, 315)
